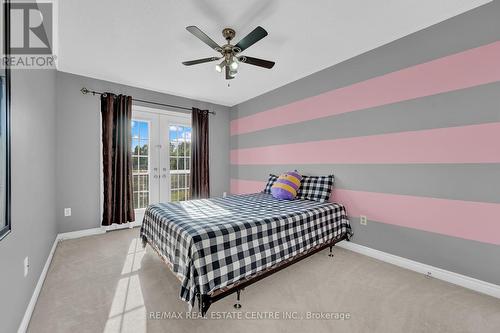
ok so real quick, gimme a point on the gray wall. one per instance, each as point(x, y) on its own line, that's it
point(474, 182)
point(78, 146)
point(33, 192)
point(55, 164)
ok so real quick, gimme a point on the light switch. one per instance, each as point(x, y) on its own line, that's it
point(26, 266)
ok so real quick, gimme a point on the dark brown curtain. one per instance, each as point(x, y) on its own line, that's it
point(200, 175)
point(116, 112)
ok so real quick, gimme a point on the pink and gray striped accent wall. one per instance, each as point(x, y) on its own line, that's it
point(410, 130)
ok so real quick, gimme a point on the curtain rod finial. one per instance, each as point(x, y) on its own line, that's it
point(84, 91)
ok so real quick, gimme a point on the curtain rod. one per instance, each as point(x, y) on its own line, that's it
point(86, 91)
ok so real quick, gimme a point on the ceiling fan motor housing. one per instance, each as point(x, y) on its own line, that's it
point(228, 34)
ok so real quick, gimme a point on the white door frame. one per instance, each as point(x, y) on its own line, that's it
point(165, 119)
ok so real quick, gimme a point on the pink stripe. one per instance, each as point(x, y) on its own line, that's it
point(467, 144)
point(457, 218)
point(463, 219)
point(461, 70)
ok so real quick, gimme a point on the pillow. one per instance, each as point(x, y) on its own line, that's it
point(270, 182)
point(316, 188)
point(285, 188)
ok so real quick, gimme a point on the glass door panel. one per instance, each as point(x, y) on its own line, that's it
point(145, 177)
point(161, 158)
point(180, 161)
point(140, 162)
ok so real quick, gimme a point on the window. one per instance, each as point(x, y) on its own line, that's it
point(5, 128)
point(180, 162)
point(140, 162)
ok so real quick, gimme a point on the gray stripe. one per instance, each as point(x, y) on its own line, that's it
point(458, 108)
point(469, 30)
point(467, 257)
point(470, 182)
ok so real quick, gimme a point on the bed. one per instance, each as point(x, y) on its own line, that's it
point(218, 246)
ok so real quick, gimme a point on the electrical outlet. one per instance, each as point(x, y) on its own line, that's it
point(224, 194)
point(363, 220)
point(26, 266)
point(67, 211)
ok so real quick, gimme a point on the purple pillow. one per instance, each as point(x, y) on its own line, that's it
point(286, 186)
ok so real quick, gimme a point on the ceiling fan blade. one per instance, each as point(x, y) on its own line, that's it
point(199, 61)
point(252, 38)
point(257, 62)
point(203, 37)
point(228, 75)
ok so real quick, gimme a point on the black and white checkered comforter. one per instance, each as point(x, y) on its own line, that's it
point(213, 243)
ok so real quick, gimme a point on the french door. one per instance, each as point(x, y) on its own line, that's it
point(161, 157)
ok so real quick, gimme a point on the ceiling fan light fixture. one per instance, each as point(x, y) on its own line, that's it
point(220, 66)
point(232, 73)
point(234, 65)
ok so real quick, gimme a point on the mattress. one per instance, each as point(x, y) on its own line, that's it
point(213, 243)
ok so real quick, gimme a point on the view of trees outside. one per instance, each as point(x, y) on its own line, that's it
point(140, 163)
point(180, 162)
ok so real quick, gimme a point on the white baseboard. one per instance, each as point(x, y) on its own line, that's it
point(441, 274)
point(80, 233)
point(97, 231)
point(31, 305)
point(127, 225)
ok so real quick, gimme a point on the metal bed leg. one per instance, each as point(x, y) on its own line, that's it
point(331, 251)
point(237, 305)
point(204, 303)
point(200, 305)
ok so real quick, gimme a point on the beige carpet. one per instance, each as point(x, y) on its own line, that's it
point(108, 283)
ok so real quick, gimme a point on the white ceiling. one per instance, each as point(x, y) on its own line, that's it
point(142, 43)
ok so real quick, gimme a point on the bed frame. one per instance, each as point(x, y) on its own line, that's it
point(205, 301)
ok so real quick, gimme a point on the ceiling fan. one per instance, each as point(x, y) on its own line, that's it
point(230, 53)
